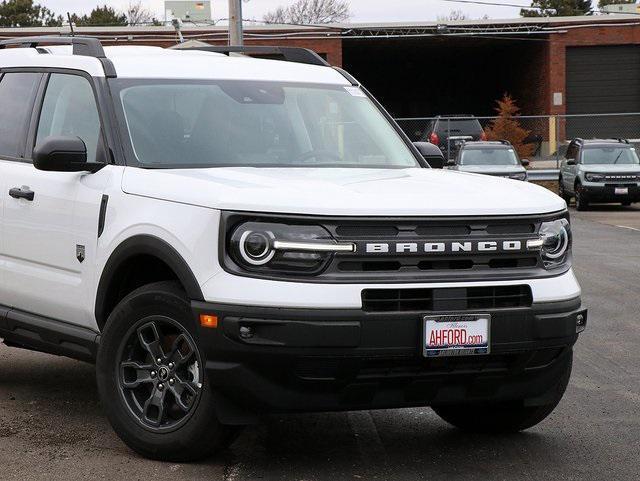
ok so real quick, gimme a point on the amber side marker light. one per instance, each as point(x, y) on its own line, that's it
point(209, 320)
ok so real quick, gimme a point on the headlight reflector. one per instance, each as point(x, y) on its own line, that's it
point(556, 242)
point(594, 177)
point(282, 248)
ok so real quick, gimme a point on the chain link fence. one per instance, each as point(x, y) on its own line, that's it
point(547, 136)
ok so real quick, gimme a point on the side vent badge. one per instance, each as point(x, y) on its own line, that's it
point(80, 252)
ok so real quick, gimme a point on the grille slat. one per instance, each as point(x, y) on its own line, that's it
point(446, 299)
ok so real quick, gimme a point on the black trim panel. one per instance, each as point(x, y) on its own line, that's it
point(144, 245)
point(38, 333)
point(103, 214)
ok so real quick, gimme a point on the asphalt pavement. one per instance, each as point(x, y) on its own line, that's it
point(52, 426)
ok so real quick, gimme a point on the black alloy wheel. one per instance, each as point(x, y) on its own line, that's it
point(160, 373)
point(152, 379)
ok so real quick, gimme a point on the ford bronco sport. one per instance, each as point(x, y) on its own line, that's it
point(600, 170)
point(227, 236)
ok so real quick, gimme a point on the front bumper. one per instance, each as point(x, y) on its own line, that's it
point(599, 192)
point(262, 359)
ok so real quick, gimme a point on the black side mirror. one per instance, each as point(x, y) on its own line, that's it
point(63, 154)
point(571, 161)
point(450, 162)
point(431, 153)
point(525, 162)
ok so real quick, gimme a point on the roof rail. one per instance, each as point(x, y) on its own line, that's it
point(621, 140)
point(85, 46)
point(289, 54)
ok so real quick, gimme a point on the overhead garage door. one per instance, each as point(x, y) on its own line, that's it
point(603, 80)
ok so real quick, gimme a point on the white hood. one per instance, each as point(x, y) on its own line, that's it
point(343, 192)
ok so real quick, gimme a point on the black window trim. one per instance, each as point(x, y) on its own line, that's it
point(22, 145)
point(101, 96)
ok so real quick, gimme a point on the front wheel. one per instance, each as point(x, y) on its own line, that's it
point(509, 417)
point(562, 192)
point(582, 203)
point(151, 378)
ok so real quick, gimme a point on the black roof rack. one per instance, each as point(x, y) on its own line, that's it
point(85, 46)
point(620, 140)
point(289, 54)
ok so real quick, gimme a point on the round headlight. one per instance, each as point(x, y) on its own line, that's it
point(556, 241)
point(256, 247)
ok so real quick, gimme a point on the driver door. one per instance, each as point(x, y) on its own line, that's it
point(50, 236)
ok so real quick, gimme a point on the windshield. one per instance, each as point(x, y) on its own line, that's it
point(488, 157)
point(610, 155)
point(180, 124)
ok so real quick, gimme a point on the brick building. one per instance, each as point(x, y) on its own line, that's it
point(550, 65)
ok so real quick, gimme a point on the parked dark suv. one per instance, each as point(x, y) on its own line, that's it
point(450, 132)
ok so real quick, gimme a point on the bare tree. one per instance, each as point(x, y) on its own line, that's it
point(310, 12)
point(453, 16)
point(137, 14)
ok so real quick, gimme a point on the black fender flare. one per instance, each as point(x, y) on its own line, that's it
point(146, 245)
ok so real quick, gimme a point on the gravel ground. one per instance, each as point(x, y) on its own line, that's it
point(52, 427)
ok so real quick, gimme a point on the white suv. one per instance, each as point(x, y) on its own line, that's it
point(228, 236)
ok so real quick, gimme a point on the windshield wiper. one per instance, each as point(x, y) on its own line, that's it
point(618, 157)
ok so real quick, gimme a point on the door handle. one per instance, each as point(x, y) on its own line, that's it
point(22, 193)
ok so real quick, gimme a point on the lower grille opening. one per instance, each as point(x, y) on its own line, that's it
point(513, 263)
point(446, 264)
point(446, 299)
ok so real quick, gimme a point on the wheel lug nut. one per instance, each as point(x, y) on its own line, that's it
point(159, 360)
point(171, 365)
point(160, 387)
point(153, 374)
point(172, 381)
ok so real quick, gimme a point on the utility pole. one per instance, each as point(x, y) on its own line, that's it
point(235, 23)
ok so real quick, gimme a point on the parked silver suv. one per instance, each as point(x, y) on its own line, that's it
point(497, 158)
point(600, 171)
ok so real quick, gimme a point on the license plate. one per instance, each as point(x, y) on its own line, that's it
point(456, 335)
point(622, 190)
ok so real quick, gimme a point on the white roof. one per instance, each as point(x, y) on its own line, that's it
point(156, 62)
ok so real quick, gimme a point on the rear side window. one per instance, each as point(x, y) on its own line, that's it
point(70, 110)
point(17, 91)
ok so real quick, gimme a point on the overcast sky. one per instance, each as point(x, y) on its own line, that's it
point(363, 10)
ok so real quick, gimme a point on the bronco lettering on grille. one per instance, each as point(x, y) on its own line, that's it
point(443, 247)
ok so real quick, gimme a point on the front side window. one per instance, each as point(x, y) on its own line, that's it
point(180, 124)
point(17, 92)
point(610, 155)
point(488, 157)
point(70, 110)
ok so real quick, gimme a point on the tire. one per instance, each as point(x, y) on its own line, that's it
point(162, 408)
point(563, 193)
point(503, 418)
point(582, 203)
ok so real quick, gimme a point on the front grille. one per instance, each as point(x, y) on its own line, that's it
point(423, 249)
point(446, 299)
point(621, 177)
point(420, 265)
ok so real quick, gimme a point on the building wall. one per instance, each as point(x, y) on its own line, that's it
point(587, 36)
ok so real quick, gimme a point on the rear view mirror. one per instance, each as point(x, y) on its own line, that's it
point(450, 163)
point(63, 154)
point(525, 162)
point(431, 153)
